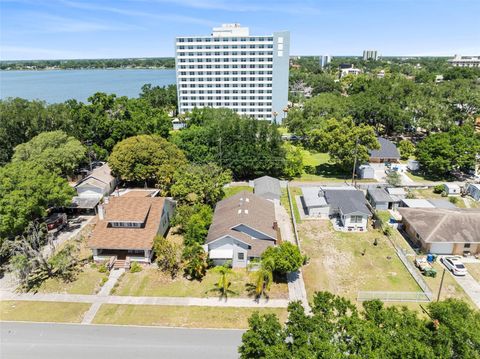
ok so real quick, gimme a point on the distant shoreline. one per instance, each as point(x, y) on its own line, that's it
point(91, 68)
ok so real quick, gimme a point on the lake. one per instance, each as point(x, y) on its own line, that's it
point(61, 85)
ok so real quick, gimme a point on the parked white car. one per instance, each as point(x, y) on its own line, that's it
point(454, 265)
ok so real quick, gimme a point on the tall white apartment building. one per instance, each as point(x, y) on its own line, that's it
point(370, 55)
point(465, 61)
point(324, 60)
point(233, 69)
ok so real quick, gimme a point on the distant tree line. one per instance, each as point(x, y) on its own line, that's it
point(158, 62)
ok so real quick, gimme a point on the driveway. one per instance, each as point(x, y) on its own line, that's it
point(296, 286)
point(470, 286)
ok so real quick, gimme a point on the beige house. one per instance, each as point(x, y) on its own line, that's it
point(443, 231)
point(127, 226)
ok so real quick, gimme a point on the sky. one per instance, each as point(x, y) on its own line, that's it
point(74, 29)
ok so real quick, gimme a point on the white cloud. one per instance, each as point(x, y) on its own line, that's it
point(128, 12)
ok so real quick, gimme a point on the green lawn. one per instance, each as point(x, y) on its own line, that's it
point(230, 191)
point(88, 281)
point(294, 191)
point(153, 282)
point(43, 311)
point(180, 316)
point(345, 263)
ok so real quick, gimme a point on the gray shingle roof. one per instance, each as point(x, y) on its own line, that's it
point(380, 195)
point(347, 201)
point(267, 186)
point(313, 198)
point(444, 225)
point(387, 149)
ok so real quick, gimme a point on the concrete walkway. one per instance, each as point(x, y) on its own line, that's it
point(167, 301)
point(110, 283)
point(296, 286)
point(104, 292)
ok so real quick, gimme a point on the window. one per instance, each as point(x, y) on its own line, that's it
point(466, 246)
point(356, 219)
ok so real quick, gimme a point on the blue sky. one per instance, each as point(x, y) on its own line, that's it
point(52, 29)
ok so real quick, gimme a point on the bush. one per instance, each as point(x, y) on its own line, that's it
point(102, 268)
point(438, 189)
point(406, 149)
point(135, 267)
point(286, 257)
point(453, 200)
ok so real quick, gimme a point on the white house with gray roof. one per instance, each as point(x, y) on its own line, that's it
point(243, 227)
point(346, 204)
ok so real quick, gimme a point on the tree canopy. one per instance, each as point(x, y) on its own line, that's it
point(55, 151)
point(338, 330)
point(147, 159)
point(26, 192)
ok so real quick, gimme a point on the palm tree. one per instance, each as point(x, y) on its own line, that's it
point(264, 277)
point(223, 284)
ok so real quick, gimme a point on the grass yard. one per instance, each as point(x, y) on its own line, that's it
point(294, 191)
point(337, 264)
point(153, 282)
point(474, 270)
point(43, 311)
point(180, 316)
point(230, 191)
point(88, 281)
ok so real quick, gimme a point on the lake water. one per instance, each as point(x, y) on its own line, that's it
point(61, 85)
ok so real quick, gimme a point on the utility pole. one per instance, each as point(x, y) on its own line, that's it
point(441, 285)
point(355, 160)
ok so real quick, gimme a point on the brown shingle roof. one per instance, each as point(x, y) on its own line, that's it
point(139, 193)
point(444, 225)
point(127, 209)
point(128, 238)
point(248, 209)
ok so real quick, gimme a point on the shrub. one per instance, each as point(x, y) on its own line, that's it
point(286, 257)
point(453, 200)
point(102, 268)
point(438, 189)
point(135, 267)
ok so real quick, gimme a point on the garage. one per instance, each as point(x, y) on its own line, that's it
point(441, 248)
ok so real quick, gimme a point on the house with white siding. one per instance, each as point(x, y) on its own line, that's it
point(243, 226)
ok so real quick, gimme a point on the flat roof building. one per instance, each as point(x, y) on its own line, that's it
point(232, 69)
point(465, 61)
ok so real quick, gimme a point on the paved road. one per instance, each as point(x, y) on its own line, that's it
point(52, 341)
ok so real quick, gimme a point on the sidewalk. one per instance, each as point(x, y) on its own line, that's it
point(167, 301)
point(296, 286)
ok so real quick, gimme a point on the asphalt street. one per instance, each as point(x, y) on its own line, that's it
point(51, 341)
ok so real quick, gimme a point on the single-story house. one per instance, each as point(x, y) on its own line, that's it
point(366, 171)
point(443, 231)
point(314, 202)
point(473, 190)
point(127, 226)
point(416, 203)
point(177, 124)
point(388, 152)
point(452, 189)
point(380, 199)
point(442, 203)
point(350, 207)
point(398, 192)
point(243, 226)
point(267, 187)
point(100, 183)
